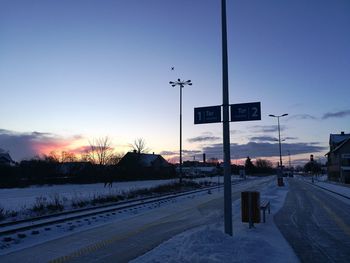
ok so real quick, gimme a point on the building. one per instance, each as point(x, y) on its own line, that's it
point(5, 159)
point(338, 164)
point(141, 165)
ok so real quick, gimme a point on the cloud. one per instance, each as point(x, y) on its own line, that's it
point(262, 149)
point(302, 117)
point(266, 128)
point(290, 138)
point(203, 139)
point(264, 139)
point(167, 153)
point(234, 132)
point(338, 114)
point(23, 145)
point(184, 152)
point(191, 152)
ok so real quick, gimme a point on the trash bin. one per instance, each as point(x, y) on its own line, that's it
point(250, 207)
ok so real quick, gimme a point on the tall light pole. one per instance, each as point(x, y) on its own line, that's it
point(279, 133)
point(181, 84)
point(226, 125)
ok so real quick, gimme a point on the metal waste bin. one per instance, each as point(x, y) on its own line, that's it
point(250, 207)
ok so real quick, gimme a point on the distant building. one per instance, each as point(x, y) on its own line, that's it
point(338, 164)
point(136, 164)
point(5, 159)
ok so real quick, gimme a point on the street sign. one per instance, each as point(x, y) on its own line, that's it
point(207, 114)
point(246, 111)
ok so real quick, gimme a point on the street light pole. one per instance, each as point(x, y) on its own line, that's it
point(279, 134)
point(181, 84)
point(226, 125)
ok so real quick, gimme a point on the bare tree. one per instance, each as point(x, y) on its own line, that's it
point(139, 146)
point(115, 158)
point(68, 157)
point(100, 151)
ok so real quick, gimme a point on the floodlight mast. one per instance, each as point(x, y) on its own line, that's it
point(181, 84)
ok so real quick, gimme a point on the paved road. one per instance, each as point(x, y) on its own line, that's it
point(315, 223)
point(127, 239)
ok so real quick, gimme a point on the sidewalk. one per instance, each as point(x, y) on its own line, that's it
point(334, 187)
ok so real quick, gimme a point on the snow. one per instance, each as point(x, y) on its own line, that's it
point(16, 199)
point(263, 243)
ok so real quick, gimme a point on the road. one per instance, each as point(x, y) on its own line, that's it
point(315, 223)
point(127, 239)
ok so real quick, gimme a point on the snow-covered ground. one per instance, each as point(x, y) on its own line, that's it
point(264, 243)
point(332, 186)
point(16, 199)
point(44, 234)
point(20, 198)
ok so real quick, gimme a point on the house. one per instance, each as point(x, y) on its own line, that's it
point(338, 164)
point(143, 164)
point(5, 159)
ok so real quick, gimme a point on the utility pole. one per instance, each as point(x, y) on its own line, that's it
point(226, 125)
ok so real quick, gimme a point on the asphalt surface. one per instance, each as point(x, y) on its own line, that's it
point(315, 223)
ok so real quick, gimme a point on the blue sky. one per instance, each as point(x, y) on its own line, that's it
point(74, 70)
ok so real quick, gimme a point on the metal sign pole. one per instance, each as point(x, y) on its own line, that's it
point(226, 126)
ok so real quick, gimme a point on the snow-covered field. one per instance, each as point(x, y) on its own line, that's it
point(20, 198)
point(16, 199)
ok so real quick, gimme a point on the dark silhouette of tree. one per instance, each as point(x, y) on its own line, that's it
point(100, 151)
point(249, 166)
point(264, 164)
point(115, 158)
point(68, 157)
point(312, 167)
point(139, 145)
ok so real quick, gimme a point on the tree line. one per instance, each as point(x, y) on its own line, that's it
point(98, 163)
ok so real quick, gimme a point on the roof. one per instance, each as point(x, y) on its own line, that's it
point(338, 138)
point(341, 144)
point(6, 157)
point(143, 159)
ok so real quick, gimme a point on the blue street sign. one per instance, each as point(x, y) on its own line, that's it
point(246, 111)
point(207, 114)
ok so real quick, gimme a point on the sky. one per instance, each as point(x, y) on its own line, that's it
point(75, 70)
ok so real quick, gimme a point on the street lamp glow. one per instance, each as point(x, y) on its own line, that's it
point(181, 84)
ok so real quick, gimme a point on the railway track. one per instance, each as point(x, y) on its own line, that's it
point(105, 211)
